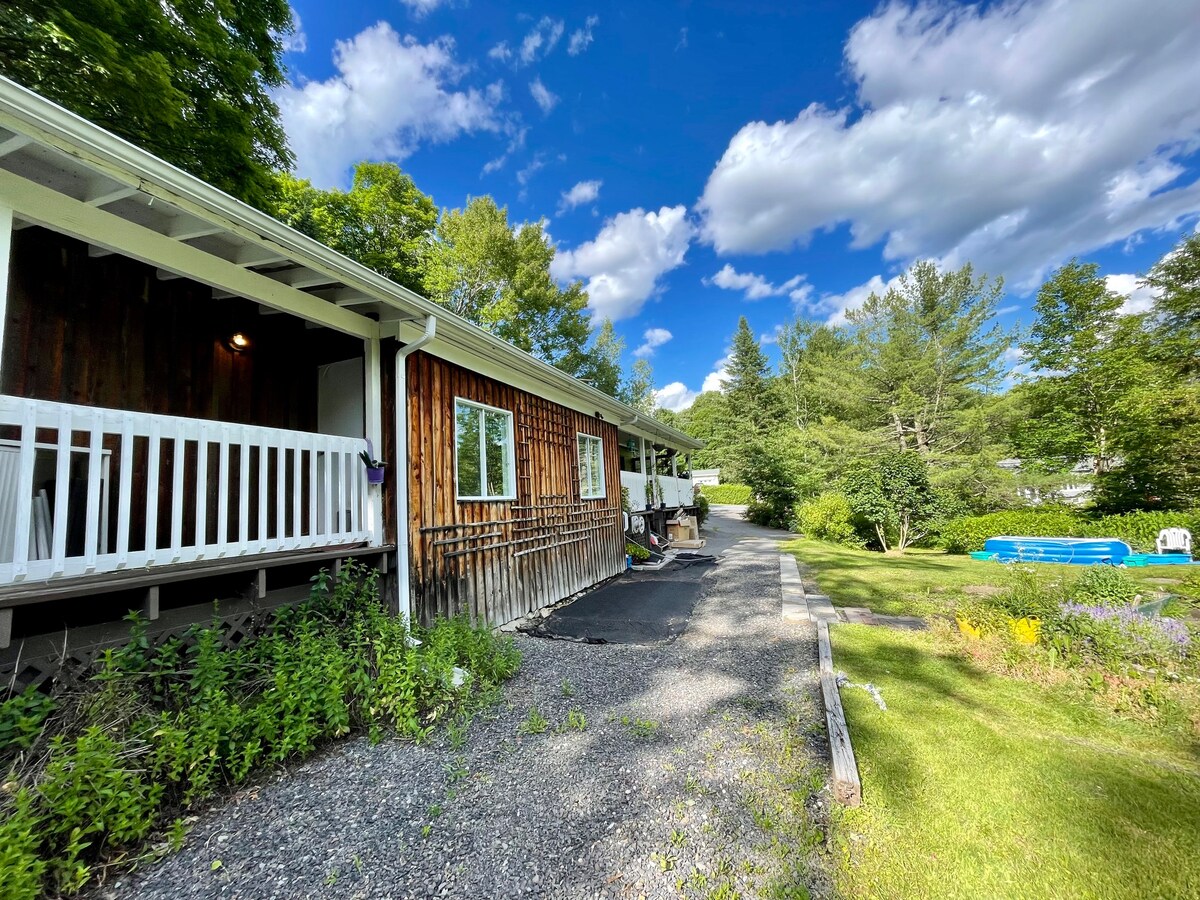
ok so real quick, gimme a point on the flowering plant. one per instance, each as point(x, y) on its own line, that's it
point(1114, 634)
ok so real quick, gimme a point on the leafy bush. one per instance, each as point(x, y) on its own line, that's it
point(828, 517)
point(1138, 529)
point(701, 504)
point(774, 489)
point(893, 502)
point(1104, 586)
point(162, 728)
point(968, 533)
point(1111, 635)
point(730, 494)
point(637, 551)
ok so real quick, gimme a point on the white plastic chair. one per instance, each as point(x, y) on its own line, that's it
point(1174, 540)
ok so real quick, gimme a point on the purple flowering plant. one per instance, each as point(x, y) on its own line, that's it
point(1115, 634)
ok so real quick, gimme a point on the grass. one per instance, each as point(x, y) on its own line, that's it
point(918, 582)
point(977, 785)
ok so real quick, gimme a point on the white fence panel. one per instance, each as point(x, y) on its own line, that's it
point(57, 495)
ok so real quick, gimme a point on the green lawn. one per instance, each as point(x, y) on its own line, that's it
point(916, 583)
point(976, 785)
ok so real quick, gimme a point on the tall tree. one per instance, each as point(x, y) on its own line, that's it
point(752, 394)
point(498, 277)
point(819, 373)
point(384, 221)
point(600, 362)
point(929, 349)
point(1177, 310)
point(190, 82)
point(638, 388)
point(1091, 362)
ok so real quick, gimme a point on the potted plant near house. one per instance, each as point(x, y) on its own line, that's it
point(375, 468)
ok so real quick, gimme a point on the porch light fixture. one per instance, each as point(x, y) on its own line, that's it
point(238, 342)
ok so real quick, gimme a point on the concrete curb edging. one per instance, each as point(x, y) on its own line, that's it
point(798, 605)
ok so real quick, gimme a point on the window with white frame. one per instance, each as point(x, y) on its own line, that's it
point(484, 458)
point(591, 466)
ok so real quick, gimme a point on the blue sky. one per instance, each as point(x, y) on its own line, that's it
point(700, 161)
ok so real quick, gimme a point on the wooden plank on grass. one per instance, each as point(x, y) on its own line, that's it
point(846, 786)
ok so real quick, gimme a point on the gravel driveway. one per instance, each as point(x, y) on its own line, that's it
point(698, 774)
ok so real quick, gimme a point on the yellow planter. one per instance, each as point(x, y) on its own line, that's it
point(1025, 630)
point(971, 631)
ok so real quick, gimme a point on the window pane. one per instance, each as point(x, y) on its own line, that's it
point(597, 454)
point(584, 477)
point(470, 481)
point(499, 449)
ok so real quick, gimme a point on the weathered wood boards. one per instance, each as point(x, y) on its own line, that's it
point(846, 785)
point(498, 560)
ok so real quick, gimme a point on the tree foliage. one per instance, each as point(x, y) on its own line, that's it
point(498, 276)
point(891, 495)
point(190, 82)
point(384, 221)
point(927, 350)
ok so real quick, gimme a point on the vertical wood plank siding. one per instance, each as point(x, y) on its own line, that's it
point(498, 560)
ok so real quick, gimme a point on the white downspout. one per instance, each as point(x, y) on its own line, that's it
point(404, 590)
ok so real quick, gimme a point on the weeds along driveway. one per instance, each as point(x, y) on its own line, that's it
point(695, 772)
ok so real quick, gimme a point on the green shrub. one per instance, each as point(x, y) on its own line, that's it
point(637, 551)
point(1138, 529)
point(701, 504)
point(828, 517)
point(731, 494)
point(163, 728)
point(968, 533)
point(1103, 586)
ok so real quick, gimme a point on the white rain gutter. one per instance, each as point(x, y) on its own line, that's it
point(404, 589)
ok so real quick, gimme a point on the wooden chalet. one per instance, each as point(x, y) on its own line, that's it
point(185, 388)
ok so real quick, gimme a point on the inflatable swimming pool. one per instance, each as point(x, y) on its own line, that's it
point(1080, 551)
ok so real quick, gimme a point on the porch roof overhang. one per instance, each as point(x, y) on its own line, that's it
point(63, 172)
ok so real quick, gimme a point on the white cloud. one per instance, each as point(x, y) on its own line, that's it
point(623, 263)
point(541, 40)
point(652, 339)
point(389, 96)
point(295, 41)
point(833, 307)
point(515, 143)
point(541, 94)
point(1014, 134)
point(678, 396)
point(756, 287)
point(421, 8)
point(501, 52)
point(583, 192)
point(674, 396)
point(1139, 298)
point(682, 43)
point(581, 37)
point(715, 380)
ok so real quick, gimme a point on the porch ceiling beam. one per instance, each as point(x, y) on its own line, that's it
point(13, 144)
point(47, 207)
point(108, 192)
point(301, 277)
point(189, 229)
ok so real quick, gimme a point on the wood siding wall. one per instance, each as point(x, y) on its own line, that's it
point(497, 561)
point(106, 331)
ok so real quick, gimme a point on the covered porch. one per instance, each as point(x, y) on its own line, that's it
point(185, 390)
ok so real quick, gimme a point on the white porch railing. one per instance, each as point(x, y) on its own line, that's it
point(674, 492)
point(178, 490)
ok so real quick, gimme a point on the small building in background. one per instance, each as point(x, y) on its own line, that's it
point(706, 476)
